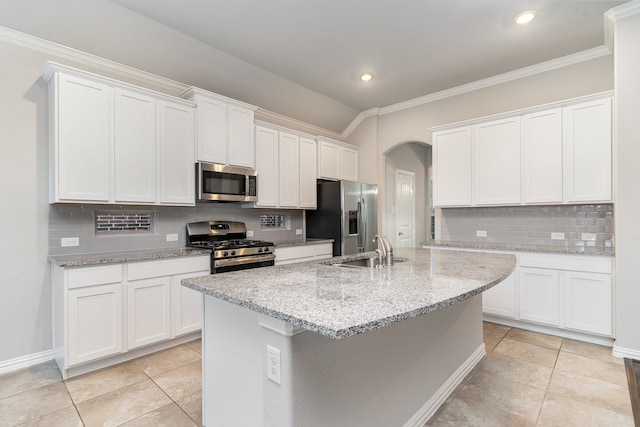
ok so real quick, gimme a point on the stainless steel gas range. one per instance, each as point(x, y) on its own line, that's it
point(230, 248)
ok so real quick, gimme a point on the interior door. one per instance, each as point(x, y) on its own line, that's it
point(405, 208)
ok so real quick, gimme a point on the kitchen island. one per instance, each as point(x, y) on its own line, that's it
point(320, 344)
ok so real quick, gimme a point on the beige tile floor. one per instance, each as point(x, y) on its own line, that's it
point(526, 379)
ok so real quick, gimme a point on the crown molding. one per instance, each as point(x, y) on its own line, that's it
point(623, 11)
point(281, 120)
point(358, 119)
point(77, 56)
point(542, 67)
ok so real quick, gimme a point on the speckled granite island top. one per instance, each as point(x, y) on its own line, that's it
point(520, 247)
point(82, 260)
point(340, 302)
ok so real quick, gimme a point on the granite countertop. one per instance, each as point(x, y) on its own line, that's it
point(340, 302)
point(307, 241)
point(518, 247)
point(82, 260)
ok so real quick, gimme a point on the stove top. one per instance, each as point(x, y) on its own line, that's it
point(227, 239)
point(231, 244)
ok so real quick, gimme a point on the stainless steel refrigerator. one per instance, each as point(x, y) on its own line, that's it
point(347, 213)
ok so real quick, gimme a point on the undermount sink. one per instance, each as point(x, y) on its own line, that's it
point(366, 262)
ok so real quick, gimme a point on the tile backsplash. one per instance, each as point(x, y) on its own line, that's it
point(80, 221)
point(531, 225)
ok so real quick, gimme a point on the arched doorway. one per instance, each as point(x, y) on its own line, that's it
point(411, 158)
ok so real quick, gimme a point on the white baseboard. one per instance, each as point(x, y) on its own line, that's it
point(444, 391)
point(25, 361)
point(627, 353)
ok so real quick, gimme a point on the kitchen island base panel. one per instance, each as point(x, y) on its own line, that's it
point(397, 375)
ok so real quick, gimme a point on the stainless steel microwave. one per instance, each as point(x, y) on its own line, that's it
point(221, 183)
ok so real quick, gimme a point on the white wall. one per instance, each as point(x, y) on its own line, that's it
point(627, 176)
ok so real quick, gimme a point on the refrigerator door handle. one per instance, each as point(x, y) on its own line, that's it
point(362, 229)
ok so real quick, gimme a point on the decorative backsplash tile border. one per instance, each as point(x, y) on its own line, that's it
point(124, 222)
point(571, 225)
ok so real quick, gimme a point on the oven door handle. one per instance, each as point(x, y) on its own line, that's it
point(226, 262)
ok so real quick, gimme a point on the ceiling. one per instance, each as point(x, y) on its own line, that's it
point(412, 47)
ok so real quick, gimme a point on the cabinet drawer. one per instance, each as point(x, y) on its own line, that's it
point(91, 276)
point(167, 267)
point(584, 263)
point(295, 252)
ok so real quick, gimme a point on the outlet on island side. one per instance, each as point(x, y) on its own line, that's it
point(273, 365)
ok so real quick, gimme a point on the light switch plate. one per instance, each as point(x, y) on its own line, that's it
point(172, 237)
point(69, 241)
point(299, 231)
point(590, 237)
point(249, 233)
point(557, 236)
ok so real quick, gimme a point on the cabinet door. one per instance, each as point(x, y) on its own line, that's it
point(452, 167)
point(241, 133)
point(496, 149)
point(289, 170)
point(308, 173)
point(588, 302)
point(267, 166)
point(212, 130)
point(95, 322)
point(538, 295)
point(148, 311)
point(187, 305)
point(501, 299)
point(81, 154)
point(348, 164)
point(328, 155)
point(587, 151)
point(177, 182)
point(542, 156)
point(135, 147)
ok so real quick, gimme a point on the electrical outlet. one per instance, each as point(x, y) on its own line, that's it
point(299, 231)
point(557, 236)
point(273, 365)
point(591, 237)
point(249, 233)
point(69, 241)
point(481, 233)
point(173, 237)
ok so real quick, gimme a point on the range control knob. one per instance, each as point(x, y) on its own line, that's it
point(266, 249)
point(233, 253)
point(225, 253)
point(259, 250)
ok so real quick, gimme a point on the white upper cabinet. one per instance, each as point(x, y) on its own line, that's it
point(225, 129)
point(337, 160)
point(542, 156)
point(497, 162)
point(80, 139)
point(452, 167)
point(308, 188)
point(587, 151)
point(267, 166)
point(241, 143)
point(112, 142)
point(177, 184)
point(286, 164)
point(135, 146)
point(552, 154)
point(289, 170)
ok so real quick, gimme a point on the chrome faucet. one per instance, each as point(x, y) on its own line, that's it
point(387, 249)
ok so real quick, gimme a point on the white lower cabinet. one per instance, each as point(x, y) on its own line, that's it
point(588, 299)
point(102, 312)
point(95, 322)
point(148, 311)
point(187, 306)
point(538, 295)
point(501, 299)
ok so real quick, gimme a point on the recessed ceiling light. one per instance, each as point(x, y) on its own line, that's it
point(366, 77)
point(525, 17)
